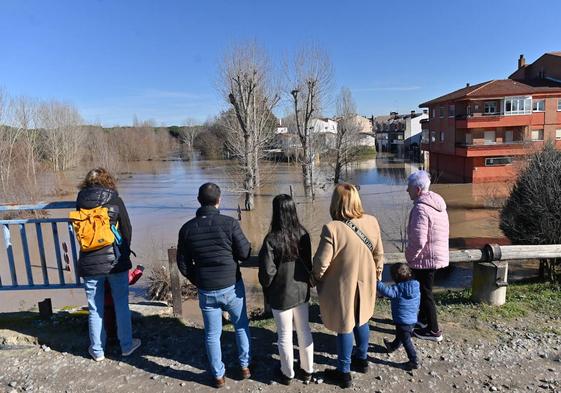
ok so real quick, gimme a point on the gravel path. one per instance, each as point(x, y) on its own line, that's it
point(51, 356)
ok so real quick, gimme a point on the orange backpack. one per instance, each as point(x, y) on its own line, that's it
point(92, 228)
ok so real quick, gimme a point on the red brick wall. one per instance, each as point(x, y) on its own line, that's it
point(451, 168)
point(446, 124)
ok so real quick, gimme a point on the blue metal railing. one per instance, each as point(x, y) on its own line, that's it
point(60, 259)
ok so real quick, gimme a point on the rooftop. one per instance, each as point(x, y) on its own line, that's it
point(499, 88)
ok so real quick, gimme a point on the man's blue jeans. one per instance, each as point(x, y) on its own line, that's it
point(345, 346)
point(95, 293)
point(212, 303)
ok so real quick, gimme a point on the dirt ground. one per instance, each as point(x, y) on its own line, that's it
point(475, 356)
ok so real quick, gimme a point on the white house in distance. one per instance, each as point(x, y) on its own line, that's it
point(366, 137)
point(325, 132)
point(316, 126)
point(364, 129)
point(322, 126)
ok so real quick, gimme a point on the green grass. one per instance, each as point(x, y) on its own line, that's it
point(522, 299)
point(365, 152)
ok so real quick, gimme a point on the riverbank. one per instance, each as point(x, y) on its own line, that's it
point(513, 348)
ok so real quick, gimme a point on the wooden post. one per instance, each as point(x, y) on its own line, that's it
point(291, 192)
point(46, 308)
point(175, 283)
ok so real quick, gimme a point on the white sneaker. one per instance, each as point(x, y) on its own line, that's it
point(135, 345)
point(98, 358)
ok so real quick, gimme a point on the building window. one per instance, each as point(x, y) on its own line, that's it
point(537, 135)
point(425, 136)
point(558, 135)
point(518, 105)
point(538, 106)
point(490, 107)
point(441, 111)
point(559, 104)
point(441, 136)
point(489, 137)
point(433, 136)
point(496, 161)
point(451, 110)
point(433, 113)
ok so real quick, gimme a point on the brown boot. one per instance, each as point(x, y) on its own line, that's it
point(245, 373)
point(219, 382)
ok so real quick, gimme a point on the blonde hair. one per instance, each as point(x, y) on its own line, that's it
point(99, 177)
point(345, 203)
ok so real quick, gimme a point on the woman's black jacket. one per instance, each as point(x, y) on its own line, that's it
point(285, 282)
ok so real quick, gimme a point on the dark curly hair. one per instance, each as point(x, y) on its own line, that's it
point(401, 272)
point(99, 177)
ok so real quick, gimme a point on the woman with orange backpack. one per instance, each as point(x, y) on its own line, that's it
point(103, 230)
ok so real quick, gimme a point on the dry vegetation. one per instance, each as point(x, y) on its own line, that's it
point(41, 139)
point(159, 286)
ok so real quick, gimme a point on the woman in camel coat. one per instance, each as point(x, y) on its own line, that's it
point(346, 272)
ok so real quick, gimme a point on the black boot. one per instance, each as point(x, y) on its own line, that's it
point(304, 376)
point(359, 365)
point(342, 379)
point(390, 347)
point(410, 365)
point(281, 378)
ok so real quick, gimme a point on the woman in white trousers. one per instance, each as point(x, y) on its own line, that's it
point(285, 264)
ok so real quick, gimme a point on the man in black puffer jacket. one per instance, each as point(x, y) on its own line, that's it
point(209, 249)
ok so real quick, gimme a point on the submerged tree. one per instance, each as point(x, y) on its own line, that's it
point(247, 86)
point(531, 214)
point(347, 133)
point(310, 78)
point(62, 134)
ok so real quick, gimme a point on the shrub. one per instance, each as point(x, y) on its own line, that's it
point(531, 214)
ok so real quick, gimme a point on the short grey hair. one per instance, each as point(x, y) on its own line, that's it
point(419, 179)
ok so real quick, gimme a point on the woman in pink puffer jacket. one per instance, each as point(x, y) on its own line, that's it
point(427, 247)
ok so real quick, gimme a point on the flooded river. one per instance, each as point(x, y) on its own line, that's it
point(161, 196)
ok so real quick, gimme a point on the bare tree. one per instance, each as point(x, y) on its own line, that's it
point(246, 84)
point(347, 132)
point(310, 78)
point(26, 118)
point(9, 135)
point(103, 150)
point(63, 134)
point(188, 133)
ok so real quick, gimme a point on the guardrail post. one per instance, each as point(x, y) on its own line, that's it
point(175, 282)
point(490, 278)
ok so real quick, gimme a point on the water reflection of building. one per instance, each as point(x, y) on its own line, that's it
point(399, 134)
point(476, 133)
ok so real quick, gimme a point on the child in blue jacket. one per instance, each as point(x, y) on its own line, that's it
point(405, 297)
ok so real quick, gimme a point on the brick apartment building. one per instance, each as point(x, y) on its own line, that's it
point(478, 133)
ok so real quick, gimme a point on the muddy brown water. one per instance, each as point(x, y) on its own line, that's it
point(161, 196)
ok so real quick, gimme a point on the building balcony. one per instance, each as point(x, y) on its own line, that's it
point(516, 148)
point(483, 120)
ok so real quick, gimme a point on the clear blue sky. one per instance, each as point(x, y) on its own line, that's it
point(158, 59)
